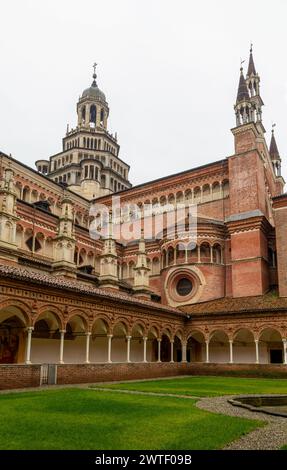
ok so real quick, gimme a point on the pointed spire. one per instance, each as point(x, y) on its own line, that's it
point(273, 149)
point(94, 84)
point(242, 93)
point(251, 66)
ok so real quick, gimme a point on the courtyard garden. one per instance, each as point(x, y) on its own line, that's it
point(90, 418)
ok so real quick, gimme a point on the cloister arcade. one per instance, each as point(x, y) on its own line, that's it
point(51, 339)
point(182, 253)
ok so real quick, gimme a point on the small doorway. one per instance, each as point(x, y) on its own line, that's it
point(276, 356)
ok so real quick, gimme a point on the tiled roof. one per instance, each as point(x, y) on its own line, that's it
point(60, 282)
point(267, 302)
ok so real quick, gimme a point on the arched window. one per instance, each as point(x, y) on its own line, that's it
point(93, 114)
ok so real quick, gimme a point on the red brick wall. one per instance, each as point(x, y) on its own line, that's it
point(22, 376)
point(246, 176)
point(239, 370)
point(281, 246)
point(82, 373)
point(19, 376)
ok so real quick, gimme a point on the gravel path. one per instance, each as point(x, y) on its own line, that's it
point(138, 392)
point(272, 436)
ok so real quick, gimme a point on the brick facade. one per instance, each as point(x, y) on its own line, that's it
point(19, 376)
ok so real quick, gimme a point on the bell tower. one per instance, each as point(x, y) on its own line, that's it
point(89, 162)
point(92, 107)
point(248, 222)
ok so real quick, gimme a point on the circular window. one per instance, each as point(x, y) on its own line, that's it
point(184, 286)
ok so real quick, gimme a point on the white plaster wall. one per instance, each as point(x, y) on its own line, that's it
point(218, 353)
point(99, 349)
point(48, 350)
point(244, 354)
point(137, 350)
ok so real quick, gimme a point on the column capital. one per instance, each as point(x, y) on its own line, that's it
point(88, 333)
point(159, 340)
point(172, 340)
point(62, 331)
point(145, 338)
point(284, 340)
point(110, 336)
point(128, 337)
point(30, 328)
point(230, 340)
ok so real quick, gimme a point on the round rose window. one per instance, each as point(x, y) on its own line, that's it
point(184, 286)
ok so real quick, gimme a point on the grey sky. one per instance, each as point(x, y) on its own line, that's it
point(169, 71)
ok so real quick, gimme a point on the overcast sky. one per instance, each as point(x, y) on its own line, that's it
point(169, 70)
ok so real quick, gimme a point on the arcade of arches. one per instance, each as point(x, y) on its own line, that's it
point(44, 332)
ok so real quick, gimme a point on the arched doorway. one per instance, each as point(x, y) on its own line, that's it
point(177, 348)
point(119, 343)
point(195, 349)
point(165, 351)
point(75, 340)
point(219, 351)
point(45, 345)
point(244, 347)
point(99, 341)
point(270, 347)
point(137, 347)
point(152, 345)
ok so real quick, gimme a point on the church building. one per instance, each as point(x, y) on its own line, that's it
point(82, 299)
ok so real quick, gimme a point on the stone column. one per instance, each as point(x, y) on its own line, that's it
point(284, 341)
point(171, 350)
point(88, 336)
point(28, 348)
point(211, 254)
point(256, 351)
point(230, 351)
point(207, 351)
point(128, 348)
point(183, 358)
point(144, 351)
point(158, 349)
point(198, 253)
point(61, 359)
point(109, 348)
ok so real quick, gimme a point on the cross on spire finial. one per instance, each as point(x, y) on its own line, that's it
point(273, 125)
point(94, 74)
point(251, 47)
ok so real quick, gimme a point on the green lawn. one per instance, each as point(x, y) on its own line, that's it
point(90, 419)
point(207, 386)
